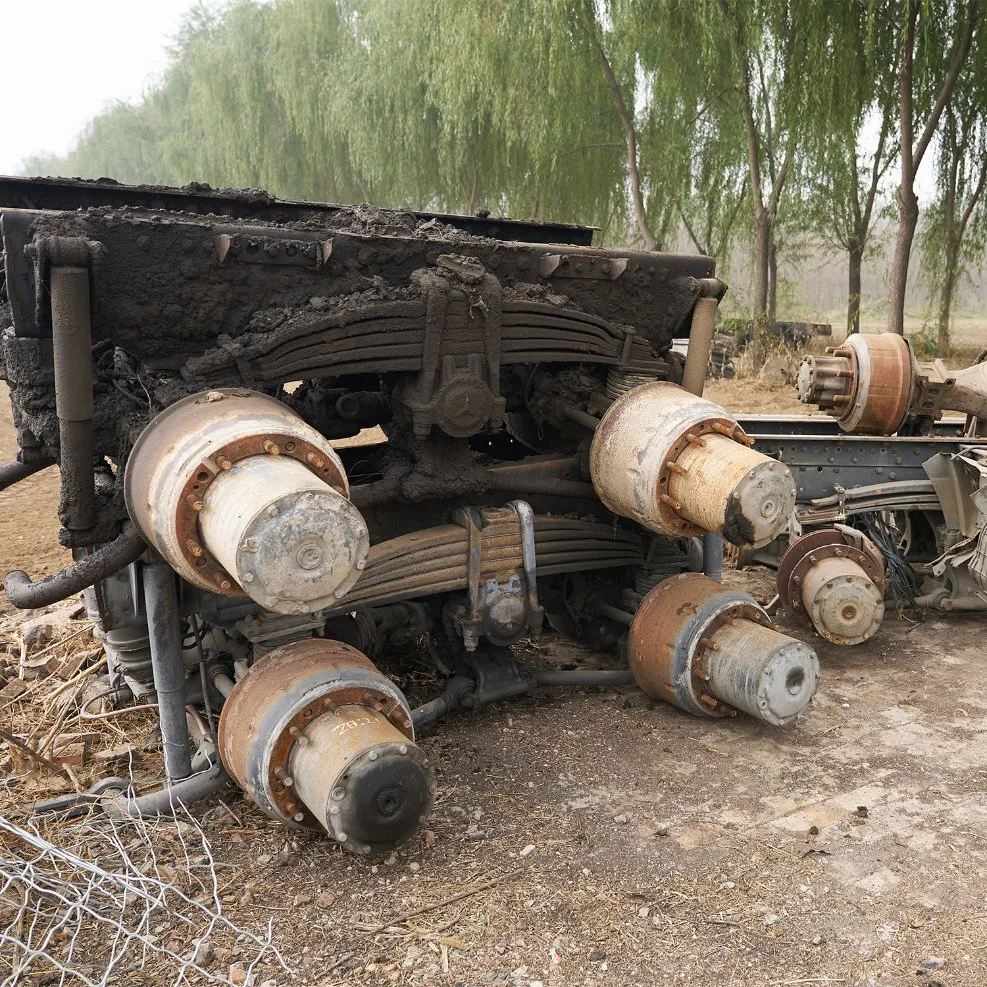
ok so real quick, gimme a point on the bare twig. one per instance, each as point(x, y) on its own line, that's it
point(39, 758)
point(435, 905)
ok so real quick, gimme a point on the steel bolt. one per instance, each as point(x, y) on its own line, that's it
point(194, 547)
point(271, 448)
point(223, 463)
point(403, 749)
point(193, 502)
point(272, 511)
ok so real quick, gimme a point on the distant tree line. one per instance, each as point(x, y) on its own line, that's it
point(769, 123)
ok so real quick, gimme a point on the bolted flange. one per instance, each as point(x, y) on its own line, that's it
point(319, 738)
point(713, 652)
point(834, 579)
point(680, 465)
point(224, 470)
point(866, 383)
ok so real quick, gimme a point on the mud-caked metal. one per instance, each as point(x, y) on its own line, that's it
point(713, 651)
point(319, 738)
point(242, 497)
point(681, 465)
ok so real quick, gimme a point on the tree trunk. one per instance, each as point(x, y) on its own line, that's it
point(853, 289)
point(762, 250)
point(772, 282)
point(946, 298)
point(626, 118)
point(945, 304)
point(907, 221)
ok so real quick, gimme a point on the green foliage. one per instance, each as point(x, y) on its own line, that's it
point(753, 121)
point(955, 234)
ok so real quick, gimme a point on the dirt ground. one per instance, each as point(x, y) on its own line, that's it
point(598, 837)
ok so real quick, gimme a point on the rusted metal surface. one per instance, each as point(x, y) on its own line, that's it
point(437, 560)
point(865, 384)
point(179, 456)
point(71, 194)
point(694, 644)
point(368, 785)
point(700, 343)
point(834, 579)
point(295, 544)
point(272, 250)
point(681, 465)
point(268, 715)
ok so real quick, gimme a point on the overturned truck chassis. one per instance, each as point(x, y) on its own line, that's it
point(529, 453)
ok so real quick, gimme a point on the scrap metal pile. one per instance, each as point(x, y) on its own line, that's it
point(528, 454)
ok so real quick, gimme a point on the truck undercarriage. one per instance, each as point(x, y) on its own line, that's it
point(293, 438)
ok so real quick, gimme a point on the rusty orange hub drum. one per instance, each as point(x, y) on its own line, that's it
point(319, 738)
point(680, 465)
point(834, 578)
point(713, 651)
point(866, 383)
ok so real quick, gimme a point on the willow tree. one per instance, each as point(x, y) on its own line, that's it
point(500, 105)
point(727, 58)
point(690, 146)
point(956, 229)
point(934, 40)
point(849, 113)
point(243, 102)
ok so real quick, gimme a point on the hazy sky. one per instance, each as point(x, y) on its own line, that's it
point(64, 60)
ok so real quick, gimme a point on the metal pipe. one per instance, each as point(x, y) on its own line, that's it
point(431, 711)
point(701, 335)
point(161, 604)
point(25, 594)
point(614, 613)
point(15, 471)
point(71, 331)
point(580, 417)
point(223, 683)
point(512, 483)
point(713, 556)
point(182, 793)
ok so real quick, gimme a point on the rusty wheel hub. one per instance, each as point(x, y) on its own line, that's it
point(865, 384)
point(319, 738)
point(834, 579)
point(713, 651)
